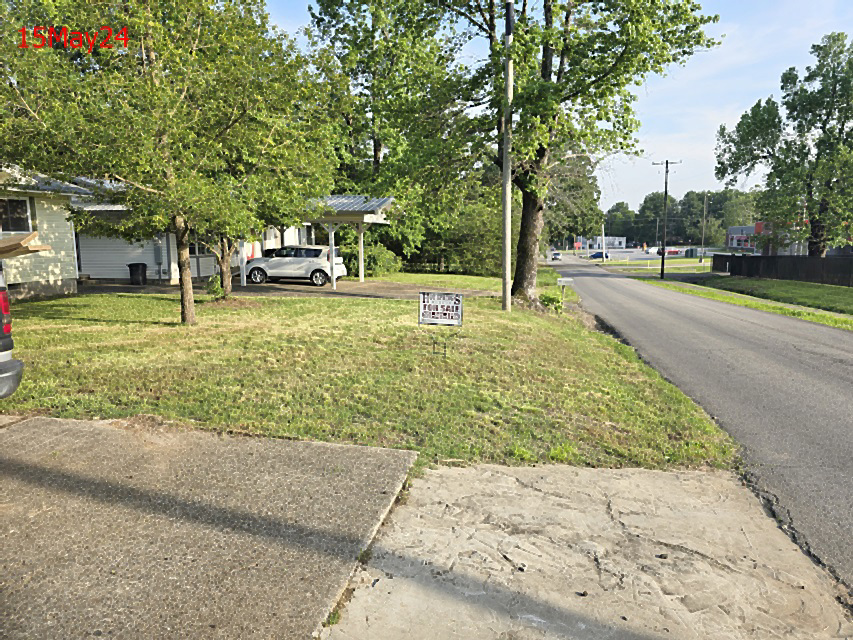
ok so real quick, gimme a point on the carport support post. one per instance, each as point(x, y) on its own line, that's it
point(360, 227)
point(197, 258)
point(242, 263)
point(331, 228)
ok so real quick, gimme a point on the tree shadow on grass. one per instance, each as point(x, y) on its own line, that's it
point(79, 309)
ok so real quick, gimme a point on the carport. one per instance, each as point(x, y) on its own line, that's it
point(358, 210)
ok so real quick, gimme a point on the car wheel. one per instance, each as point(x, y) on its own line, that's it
point(258, 276)
point(319, 278)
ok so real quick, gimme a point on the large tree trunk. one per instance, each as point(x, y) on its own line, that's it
point(226, 252)
point(817, 238)
point(377, 151)
point(182, 236)
point(527, 254)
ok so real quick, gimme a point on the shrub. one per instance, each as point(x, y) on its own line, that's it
point(552, 301)
point(378, 260)
point(214, 286)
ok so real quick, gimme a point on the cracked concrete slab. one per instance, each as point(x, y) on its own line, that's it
point(559, 552)
point(146, 531)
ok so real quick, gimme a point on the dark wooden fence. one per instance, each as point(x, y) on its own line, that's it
point(836, 270)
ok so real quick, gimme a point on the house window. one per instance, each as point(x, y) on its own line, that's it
point(14, 216)
point(199, 249)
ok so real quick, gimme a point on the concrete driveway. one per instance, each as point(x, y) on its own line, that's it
point(136, 530)
point(563, 553)
point(783, 387)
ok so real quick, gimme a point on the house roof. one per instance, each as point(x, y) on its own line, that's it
point(37, 183)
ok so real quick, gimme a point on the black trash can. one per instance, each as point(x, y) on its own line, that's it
point(138, 273)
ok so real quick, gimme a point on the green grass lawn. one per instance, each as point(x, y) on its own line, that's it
point(804, 313)
point(546, 280)
point(805, 294)
point(483, 283)
point(523, 387)
point(653, 261)
point(546, 277)
point(651, 266)
point(676, 268)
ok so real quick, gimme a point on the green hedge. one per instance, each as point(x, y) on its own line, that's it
point(378, 261)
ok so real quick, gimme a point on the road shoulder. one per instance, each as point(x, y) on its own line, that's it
point(810, 314)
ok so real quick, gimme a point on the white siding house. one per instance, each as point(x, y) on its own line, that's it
point(39, 204)
point(26, 205)
point(108, 258)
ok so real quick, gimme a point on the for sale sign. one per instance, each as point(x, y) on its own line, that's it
point(440, 308)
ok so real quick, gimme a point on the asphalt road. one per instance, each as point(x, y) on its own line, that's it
point(782, 387)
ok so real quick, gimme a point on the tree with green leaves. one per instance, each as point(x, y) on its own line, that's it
point(575, 63)
point(621, 222)
point(694, 225)
point(734, 207)
point(650, 217)
point(403, 115)
point(204, 124)
point(805, 143)
point(571, 205)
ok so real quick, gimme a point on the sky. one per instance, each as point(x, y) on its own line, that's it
point(682, 111)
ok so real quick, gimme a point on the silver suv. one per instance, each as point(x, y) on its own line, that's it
point(310, 261)
point(11, 370)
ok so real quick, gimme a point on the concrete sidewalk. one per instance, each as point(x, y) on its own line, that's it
point(556, 552)
point(137, 530)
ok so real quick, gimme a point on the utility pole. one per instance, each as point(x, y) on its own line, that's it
point(665, 207)
point(603, 244)
point(506, 197)
point(657, 234)
point(704, 215)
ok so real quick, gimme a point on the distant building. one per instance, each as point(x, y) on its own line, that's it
point(741, 237)
point(613, 242)
point(748, 237)
point(778, 246)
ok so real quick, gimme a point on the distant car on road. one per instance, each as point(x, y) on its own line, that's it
point(556, 256)
point(598, 255)
point(311, 262)
point(669, 252)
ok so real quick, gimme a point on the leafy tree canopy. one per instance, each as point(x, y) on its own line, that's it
point(576, 64)
point(571, 207)
point(208, 122)
point(805, 143)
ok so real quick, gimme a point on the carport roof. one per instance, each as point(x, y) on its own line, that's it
point(353, 209)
